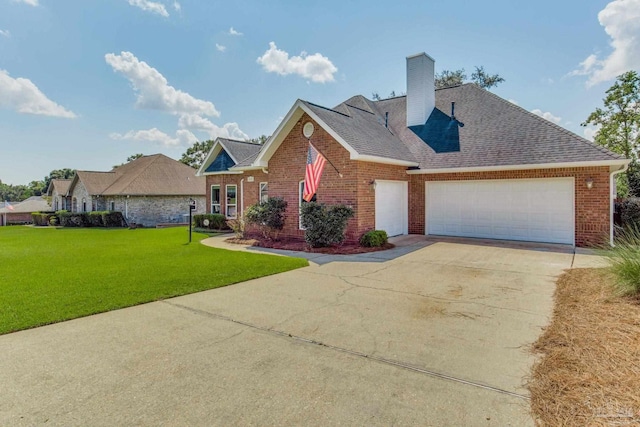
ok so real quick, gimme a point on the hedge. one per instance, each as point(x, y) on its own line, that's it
point(216, 221)
point(630, 212)
point(91, 219)
point(324, 226)
point(41, 219)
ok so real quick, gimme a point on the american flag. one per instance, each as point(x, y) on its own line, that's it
point(315, 166)
point(8, 206)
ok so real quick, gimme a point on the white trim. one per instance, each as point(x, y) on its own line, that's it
point(300, 191)
point(226, 202)
point(613, 193)
point(208, 159)
point(260, 190)
point(227, 172)
point(241, 169)
point(384, 160)
point(520, 167)
point(211, 198)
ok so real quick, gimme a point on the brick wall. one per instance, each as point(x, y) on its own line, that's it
point(591, 206)
point(251, 190)
point(79, 193)
point(152, 210)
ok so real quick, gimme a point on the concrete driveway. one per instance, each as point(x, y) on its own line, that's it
point(437, 336)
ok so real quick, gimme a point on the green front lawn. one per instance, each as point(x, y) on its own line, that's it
point(49, 275)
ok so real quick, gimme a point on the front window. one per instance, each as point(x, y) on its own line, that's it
point(112, 205)
point(264, 191)
point(215, 199)
point(232, 201)
point(301, 201)
point(74, 205)
point(84, 205)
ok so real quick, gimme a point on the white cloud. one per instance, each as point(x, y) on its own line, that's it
point(546, 115)
point(5, 33)
point(590, 132)
point(316, 67)
point(150, 6)
point(23, 96)
point(182, 138)
point(220, 47)
point(176, 6)
point(233, 32)
point(621, 21)
point(29, 2)
point(153, 90)
point(195, 122)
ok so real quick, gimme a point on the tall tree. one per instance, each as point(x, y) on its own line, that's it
point(448, 78)
point(65, 173)
point(485, 80)
point(195, 155)
point(259, 140)
point(619, 127)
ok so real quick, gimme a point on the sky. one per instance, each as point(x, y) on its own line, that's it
point(85, 84)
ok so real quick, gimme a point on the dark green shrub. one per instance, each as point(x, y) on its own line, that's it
point(324, 226)
point(73, 219)
point(95, 219)
point(268, 216)
point(216, 221)
point(630, 212)
point(624, 261)
point(113, 219)
point(40, 219)
point(374, 238)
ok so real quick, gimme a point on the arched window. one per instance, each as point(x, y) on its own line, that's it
point(84, 204)
point(74, 205)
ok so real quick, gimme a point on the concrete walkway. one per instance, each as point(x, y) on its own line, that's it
point(433, 334)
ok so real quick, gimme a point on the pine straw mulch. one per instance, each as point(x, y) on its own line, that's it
point(588, 373)
point(295, 245)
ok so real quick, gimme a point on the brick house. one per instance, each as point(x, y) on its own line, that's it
point(149, 190)
point(20, 212)
point(458, 161)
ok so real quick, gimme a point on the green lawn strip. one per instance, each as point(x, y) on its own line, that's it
point(48, 276)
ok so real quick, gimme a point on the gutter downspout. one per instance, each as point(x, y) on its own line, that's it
point(241, 198)
point(612, 188)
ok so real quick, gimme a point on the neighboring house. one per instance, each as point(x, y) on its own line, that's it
point(150, 190)
point(482, 167)
point(58, 191)
point(21, 212)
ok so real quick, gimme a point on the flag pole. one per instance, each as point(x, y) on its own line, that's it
point(328, 161)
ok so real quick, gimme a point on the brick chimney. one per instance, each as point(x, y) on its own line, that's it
point(421, 99)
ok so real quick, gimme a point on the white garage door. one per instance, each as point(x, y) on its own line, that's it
point(537, 210)
point(391, 207)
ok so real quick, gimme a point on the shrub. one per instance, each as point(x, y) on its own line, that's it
point(630, 212)
point(40, 219)
point(113, 219)
point(324, 226)
point(374, 238)
point(216, 221)
point(624, 260)
point(95, 219)
point(268, 216)
point(237, 226)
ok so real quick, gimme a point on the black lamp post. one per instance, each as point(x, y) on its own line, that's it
point(192, 207)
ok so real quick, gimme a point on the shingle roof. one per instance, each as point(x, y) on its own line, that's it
point(496, 132)
point(61, 185)
point(240, 150)
point(361, 126)
point(32, 204)
point(155, 175)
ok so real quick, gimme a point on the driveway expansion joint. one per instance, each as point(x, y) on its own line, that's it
point(390, 362)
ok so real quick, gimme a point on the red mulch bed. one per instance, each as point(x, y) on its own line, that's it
point(296, 245)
